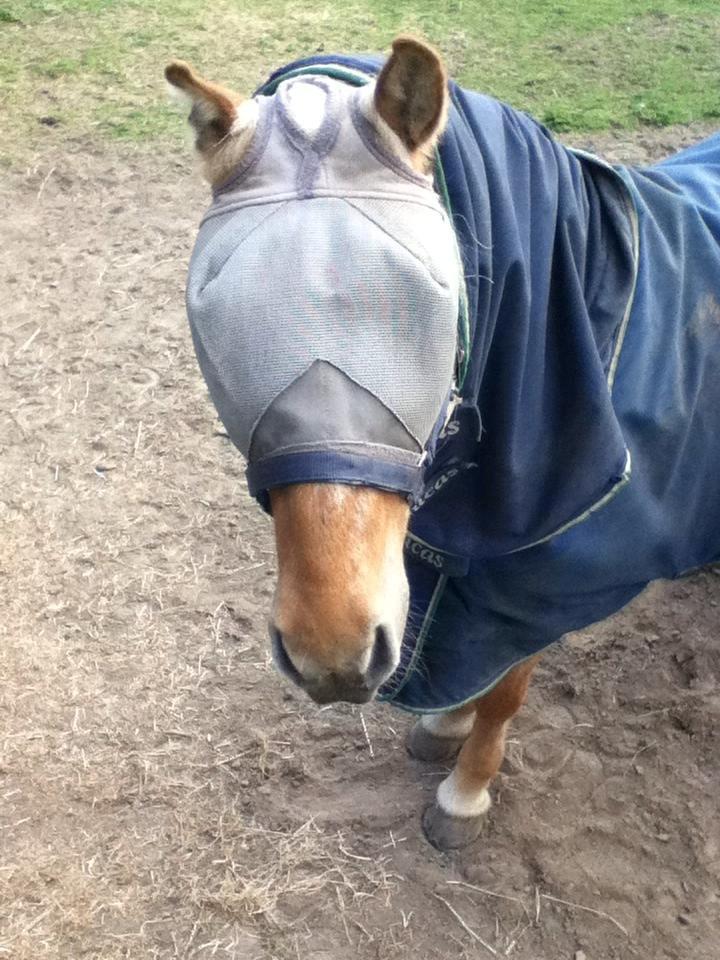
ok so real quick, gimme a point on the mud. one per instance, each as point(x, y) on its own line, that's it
point(162, 792)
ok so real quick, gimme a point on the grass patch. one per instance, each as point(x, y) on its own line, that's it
point(95, 66)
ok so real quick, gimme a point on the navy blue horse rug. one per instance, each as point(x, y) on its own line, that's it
point(581, 456)
point(590, 494)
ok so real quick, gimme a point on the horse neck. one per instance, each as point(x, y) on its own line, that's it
point(545, 239)
point(548, 257)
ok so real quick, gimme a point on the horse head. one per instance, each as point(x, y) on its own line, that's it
point(322, 297)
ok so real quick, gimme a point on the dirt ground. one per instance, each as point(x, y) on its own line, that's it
point(162, 792)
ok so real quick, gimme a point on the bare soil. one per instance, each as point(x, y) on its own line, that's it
point(162, 792)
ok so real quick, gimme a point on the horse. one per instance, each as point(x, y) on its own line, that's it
point(475, 375)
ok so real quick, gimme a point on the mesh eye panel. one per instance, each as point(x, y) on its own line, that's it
point(344, 290)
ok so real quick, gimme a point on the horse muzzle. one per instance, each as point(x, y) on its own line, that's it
point(352, 684)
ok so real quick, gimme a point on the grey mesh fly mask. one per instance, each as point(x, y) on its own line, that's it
point(323, 298)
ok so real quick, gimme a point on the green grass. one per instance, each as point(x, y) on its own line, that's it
point(95, 66)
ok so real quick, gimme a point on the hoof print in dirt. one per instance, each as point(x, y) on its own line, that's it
point(450, 833)
point(426, 746)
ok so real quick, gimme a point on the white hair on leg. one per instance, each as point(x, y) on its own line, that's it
point(457, 803)
point(454, 724)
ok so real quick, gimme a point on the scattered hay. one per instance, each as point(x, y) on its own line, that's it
point(300, 863)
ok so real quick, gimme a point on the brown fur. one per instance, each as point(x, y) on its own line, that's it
point(483, 751)
point(217, 106)
point(213, 116)
point(332, 542)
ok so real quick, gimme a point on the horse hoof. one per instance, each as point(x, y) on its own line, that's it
point(446, 832)
point(426, 746)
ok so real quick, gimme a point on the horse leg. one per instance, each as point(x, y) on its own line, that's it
point(439, 736)
point(462, 800)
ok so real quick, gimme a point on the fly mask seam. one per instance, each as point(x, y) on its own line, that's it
point(376, 223)
point(255, 150)
point(271, 213)
point(357, 383)
point(313, 148)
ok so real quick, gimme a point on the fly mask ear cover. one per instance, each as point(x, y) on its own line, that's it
point(323, 297)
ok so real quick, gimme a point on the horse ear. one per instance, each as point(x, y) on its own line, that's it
point(213, 108)
point(411, 93)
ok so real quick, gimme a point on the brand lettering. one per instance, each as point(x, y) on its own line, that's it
point(426, 554)
point(435, 487)
point(450, 429)
point(439, 482)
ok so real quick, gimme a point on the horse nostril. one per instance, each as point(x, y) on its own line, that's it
point(281, 657)
point(382, 660)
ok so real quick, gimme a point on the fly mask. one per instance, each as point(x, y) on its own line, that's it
point(323, 297)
